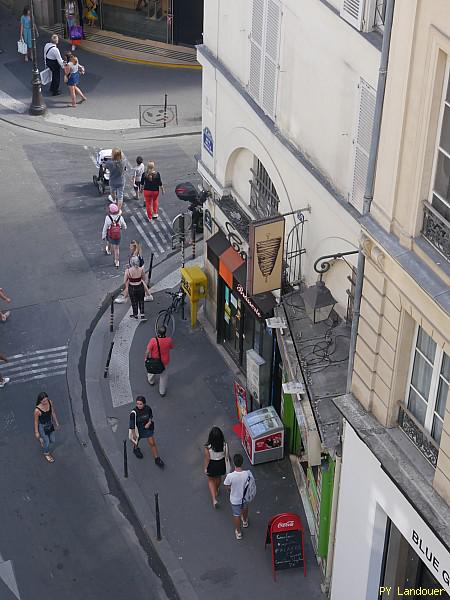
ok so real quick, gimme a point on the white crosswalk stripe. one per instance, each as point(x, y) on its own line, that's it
point(38, 364)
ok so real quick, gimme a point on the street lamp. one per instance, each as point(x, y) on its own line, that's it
point(318, 300)
point(37, 106)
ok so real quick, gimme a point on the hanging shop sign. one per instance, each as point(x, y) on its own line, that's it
point(265, 262)
point(208, 141)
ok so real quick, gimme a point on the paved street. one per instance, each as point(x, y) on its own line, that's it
point(68, 533)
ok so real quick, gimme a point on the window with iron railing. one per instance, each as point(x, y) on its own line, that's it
point(436, 220)
point(427, 392)
point(264, 199)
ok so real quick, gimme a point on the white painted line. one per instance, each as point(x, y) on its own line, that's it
point(119, 366)
point(56, 362)
point(42, 376)
point(166, 224)
point(103, 124)
point(49, 350)
point(158, 230)
point(173, 279)
point(152, 235)
point(142, 232)
point(26, 361)
point(11, 103)
point(27, 372)
point(8, 577)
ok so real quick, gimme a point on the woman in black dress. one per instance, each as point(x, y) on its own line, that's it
point(142, 426)
point(215, 453)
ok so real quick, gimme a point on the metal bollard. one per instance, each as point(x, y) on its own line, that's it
point(125, 459)
point(150, 269)
point(108, 360)
point(158, 519)
point(111, 317)
point(165, 109)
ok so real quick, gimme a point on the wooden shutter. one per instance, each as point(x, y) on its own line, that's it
point(352, 11)
point(361, 143)
point(256, 49)
point(271, 51)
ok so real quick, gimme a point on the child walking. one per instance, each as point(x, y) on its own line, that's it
point(137, 176)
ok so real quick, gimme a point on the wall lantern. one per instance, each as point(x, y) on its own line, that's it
point(318, 300)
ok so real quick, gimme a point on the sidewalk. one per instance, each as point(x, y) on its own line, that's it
point(199, 549)
point(123, 97)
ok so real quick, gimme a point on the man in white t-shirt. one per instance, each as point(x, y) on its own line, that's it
point(235, 482)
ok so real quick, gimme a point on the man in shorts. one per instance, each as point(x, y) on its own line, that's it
point(235, 482)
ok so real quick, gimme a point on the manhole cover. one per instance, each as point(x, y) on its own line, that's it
point(156, 115)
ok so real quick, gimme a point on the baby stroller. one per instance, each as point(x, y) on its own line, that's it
point(101, 181)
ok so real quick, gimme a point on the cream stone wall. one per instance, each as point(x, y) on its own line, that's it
point(391, 306)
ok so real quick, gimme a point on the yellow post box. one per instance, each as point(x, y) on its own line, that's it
point(194, 284)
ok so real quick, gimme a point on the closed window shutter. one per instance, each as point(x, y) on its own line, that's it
point(271, 49)
point(256, 49)
point(361, 143)
point(352, 11)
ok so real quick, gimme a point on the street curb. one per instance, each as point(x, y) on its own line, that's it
point(142, 61)
point(39, 125)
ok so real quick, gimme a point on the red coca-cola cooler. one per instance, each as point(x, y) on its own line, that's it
point(263, 435)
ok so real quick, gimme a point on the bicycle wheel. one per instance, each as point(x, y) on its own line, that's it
point(166, 319)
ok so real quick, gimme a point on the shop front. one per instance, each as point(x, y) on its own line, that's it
point(240, 323)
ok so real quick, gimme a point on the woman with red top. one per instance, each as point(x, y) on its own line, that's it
point(160, 348)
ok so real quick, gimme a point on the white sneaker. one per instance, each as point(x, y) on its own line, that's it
point(120, 299)
point(5, 315)
point(110, 198)
point(238, 534)
point(107, 250)
point(244, 524)
point(117, 263)
point(148, 298)
point(4, 381)
point(155, 215)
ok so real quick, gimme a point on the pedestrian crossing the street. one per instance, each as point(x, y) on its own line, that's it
point(39, 364)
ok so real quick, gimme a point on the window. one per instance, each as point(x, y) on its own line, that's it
point(263, 195)
point(264, 51)
point(361, 143)
point(440, 193)
point(429, 381)
point(364, 15)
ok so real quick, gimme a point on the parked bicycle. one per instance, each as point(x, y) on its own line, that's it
point(165, 317)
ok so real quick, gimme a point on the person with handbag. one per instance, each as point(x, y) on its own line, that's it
point(45, 423)
point(216, 462)
point(73, 70)
point(157, 358)
point(53, 61)
point(141, 425)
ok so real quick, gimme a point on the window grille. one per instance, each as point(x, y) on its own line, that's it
point(263, 195)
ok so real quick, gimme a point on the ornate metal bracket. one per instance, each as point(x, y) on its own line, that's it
point(325, 264)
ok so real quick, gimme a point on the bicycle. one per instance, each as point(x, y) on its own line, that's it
point(165, 317)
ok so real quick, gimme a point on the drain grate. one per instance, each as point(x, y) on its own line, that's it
point(156, 115)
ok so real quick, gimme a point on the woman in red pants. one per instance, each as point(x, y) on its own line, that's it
point(151, 184)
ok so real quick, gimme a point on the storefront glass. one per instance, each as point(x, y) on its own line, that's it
point(403, 569)
point(136, 18)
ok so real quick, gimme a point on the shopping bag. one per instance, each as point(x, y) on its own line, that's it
point(22, 48)
point(46, 76)
point(75, 32)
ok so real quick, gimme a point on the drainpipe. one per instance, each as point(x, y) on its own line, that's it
point(370, 181)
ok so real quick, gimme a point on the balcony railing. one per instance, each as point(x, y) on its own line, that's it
point(417, 434)
point(436, 229)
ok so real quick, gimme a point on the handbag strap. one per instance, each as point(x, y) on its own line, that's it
point(159, 349)
point(247, 483)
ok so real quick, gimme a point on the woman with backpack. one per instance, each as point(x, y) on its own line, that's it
point(151, 183)
point(112, 231)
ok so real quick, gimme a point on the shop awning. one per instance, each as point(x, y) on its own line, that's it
point(215, 247)
point(232, 269)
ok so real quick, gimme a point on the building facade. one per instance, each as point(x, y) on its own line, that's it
point(393, 517)
point(289, 89)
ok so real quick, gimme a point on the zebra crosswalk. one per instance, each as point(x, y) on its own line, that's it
point(157, 234)
point(38, 364)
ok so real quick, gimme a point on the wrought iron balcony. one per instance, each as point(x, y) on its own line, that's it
point(436, 230)
point(417, 434)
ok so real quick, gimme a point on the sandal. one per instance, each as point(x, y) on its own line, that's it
point(49, 458)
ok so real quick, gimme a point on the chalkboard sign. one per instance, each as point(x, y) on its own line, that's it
point(287, 549)
point(286, 536)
